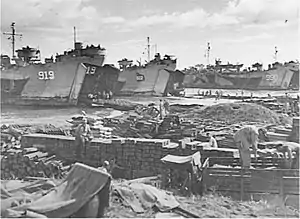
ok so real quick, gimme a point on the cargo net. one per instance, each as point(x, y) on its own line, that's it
point(233, 113)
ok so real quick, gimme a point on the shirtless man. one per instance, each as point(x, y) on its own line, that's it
point(245, 138)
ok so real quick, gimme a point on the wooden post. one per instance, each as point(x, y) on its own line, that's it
point(281, 189)
point(242, 184)
point(204, 175)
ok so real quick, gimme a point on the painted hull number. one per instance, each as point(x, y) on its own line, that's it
point(140, 77)
point(272, 78)
point(46, 75)
point(91, 70)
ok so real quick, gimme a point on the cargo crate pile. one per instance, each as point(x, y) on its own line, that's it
point(29, 162)
point(96, 125)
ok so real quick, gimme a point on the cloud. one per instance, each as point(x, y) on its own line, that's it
point(263, 11)
point(129, 42)
point(236, 12)
point(194, 18)
point(113, 20)
point(250, 38)
point(34, 15)
point(54, 16)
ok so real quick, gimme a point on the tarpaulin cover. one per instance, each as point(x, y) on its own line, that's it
point(16, 191)
point(141, 197)
point(195, 159)
point(81, 184)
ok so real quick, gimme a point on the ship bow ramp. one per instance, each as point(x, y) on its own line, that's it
point(61, 80)
point(154, 80)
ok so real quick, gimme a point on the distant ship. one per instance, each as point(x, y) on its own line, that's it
point(156, 78)
point(228, 76)
point(27, 81)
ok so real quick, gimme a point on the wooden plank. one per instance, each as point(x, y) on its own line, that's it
point(290, 185)
point(228, 183)
point(223, 169)
point(225, 186)
point(223, 173)
point(263, 190)
point(285, 172)
point(291, 173)
point(234, 161)
point(233, 178)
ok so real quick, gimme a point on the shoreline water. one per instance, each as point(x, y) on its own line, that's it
point(233, 92)
point(32, 114)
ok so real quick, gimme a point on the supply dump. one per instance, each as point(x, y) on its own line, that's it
point(146, 151)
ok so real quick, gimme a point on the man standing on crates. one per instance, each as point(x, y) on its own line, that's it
point(246, 137)
point(83, 136)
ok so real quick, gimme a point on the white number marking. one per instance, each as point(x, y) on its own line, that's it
point(91, 70)
point(272, 78)
point(51, 75)
point(46, 75)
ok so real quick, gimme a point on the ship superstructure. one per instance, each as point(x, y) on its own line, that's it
point(229, 76)
point(278, 76)
point(26, 78)
point(158, 77)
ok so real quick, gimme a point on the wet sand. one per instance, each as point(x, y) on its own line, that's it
point(58, 116)
point(54, 116)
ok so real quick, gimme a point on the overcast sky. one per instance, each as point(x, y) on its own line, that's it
point(244, 31)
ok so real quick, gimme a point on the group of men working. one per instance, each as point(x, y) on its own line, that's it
point(245, 138)
point(249, 135)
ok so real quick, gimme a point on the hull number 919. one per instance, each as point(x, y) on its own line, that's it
point(46, 75)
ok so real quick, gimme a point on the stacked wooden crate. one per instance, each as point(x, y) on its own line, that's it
point(29, 162)
point(136, 155)
point(295, 131)
point(101, 132)
point(277, 137)
point(245, 183)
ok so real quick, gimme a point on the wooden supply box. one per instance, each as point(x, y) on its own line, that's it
point(246, 184)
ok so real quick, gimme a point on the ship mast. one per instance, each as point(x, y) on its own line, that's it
point(207, 53)
point(275, 54)
point(12, 37)
point(148, 48)
point(74, 37)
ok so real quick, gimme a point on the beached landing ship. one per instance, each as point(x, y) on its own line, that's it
point(156, 78)
point(228, 76)
point(55, 82)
